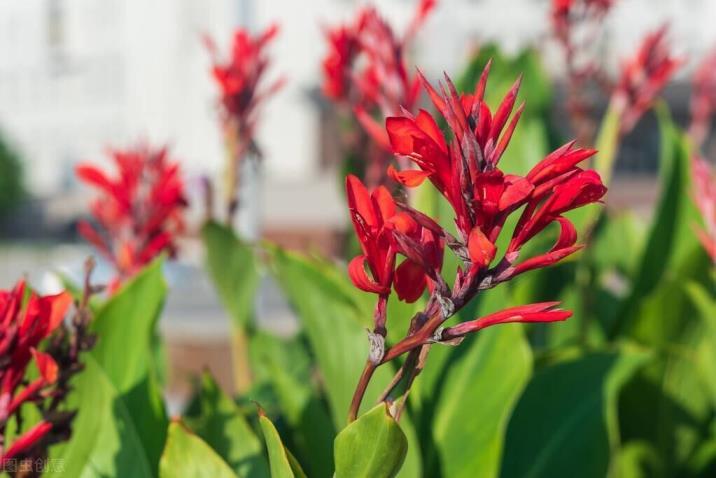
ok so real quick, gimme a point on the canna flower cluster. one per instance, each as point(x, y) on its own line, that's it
point(704, 180)
point(643, 77)
point(139, 211)
point(703, 99)
point(464, 168)
point(26, 320)
point(365, 70)
point(241, 81)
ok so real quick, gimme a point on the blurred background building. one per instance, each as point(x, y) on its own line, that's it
point(78, 75)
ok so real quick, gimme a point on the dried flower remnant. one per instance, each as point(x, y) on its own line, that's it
point(365, 71)
point(704, 179)
point(243, 91)
point(28, 322)
point(139, 212)
point(703, 99)
point(465, 170)
point(642, 78)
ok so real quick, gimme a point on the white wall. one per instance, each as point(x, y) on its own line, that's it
point(137, 69)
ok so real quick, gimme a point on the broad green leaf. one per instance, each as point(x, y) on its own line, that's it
point(638, 460)
point(106, 440)
point(334, 323)
point(565, 422)
point(480, 392)
point(186, 455)
point(126, 326)
point(233, 268)
point(373, 446)
point(286, 366)
point(281, 461)
point(671, 237)
point(334, 318)
point(216, 419)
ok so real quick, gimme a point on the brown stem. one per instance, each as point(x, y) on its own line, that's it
point(360, 390)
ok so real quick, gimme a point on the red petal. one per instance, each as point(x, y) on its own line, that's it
point(94, 177)
point(383, 201)
point(410, 178)
point(58, 305)
point(427, 123)
point(357, 274)
point(409, 281)
point(481, 250)
point(360, 201)
point(46, 365)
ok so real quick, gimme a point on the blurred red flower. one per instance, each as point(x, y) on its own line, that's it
point(705, 197)
point(241, 77)
point(242, 83)
point(26, 319)
point(139, 211)
point(703, 99)
point(643, 76)
point(365, 70)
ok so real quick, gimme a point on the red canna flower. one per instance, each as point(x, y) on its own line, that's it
point(139, 212)
point(703, 99)
point(365, 70)
point(465, 170)
point(25, 321)
point(241, 80)
point(643, 76)
point(241, 77)
point(383, 232)
point(704, 180)
point(467, 174)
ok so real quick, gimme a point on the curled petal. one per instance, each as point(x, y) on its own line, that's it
point(359, 277)
point(410, 281)
point(410, 178)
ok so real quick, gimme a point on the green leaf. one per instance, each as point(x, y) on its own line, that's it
point(607, 144)
point(476, 400)
point(287, 367)
point(234, 270)
point(671, 237)
point(565, 423)
point(217, 419)
point(105, 438)
point(334, 322)
point(125, 326)
point(186, 455)
point(373, 446)
point(281, 461)
point(334, 317)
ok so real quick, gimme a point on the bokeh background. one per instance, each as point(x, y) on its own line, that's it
point(77, 76)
